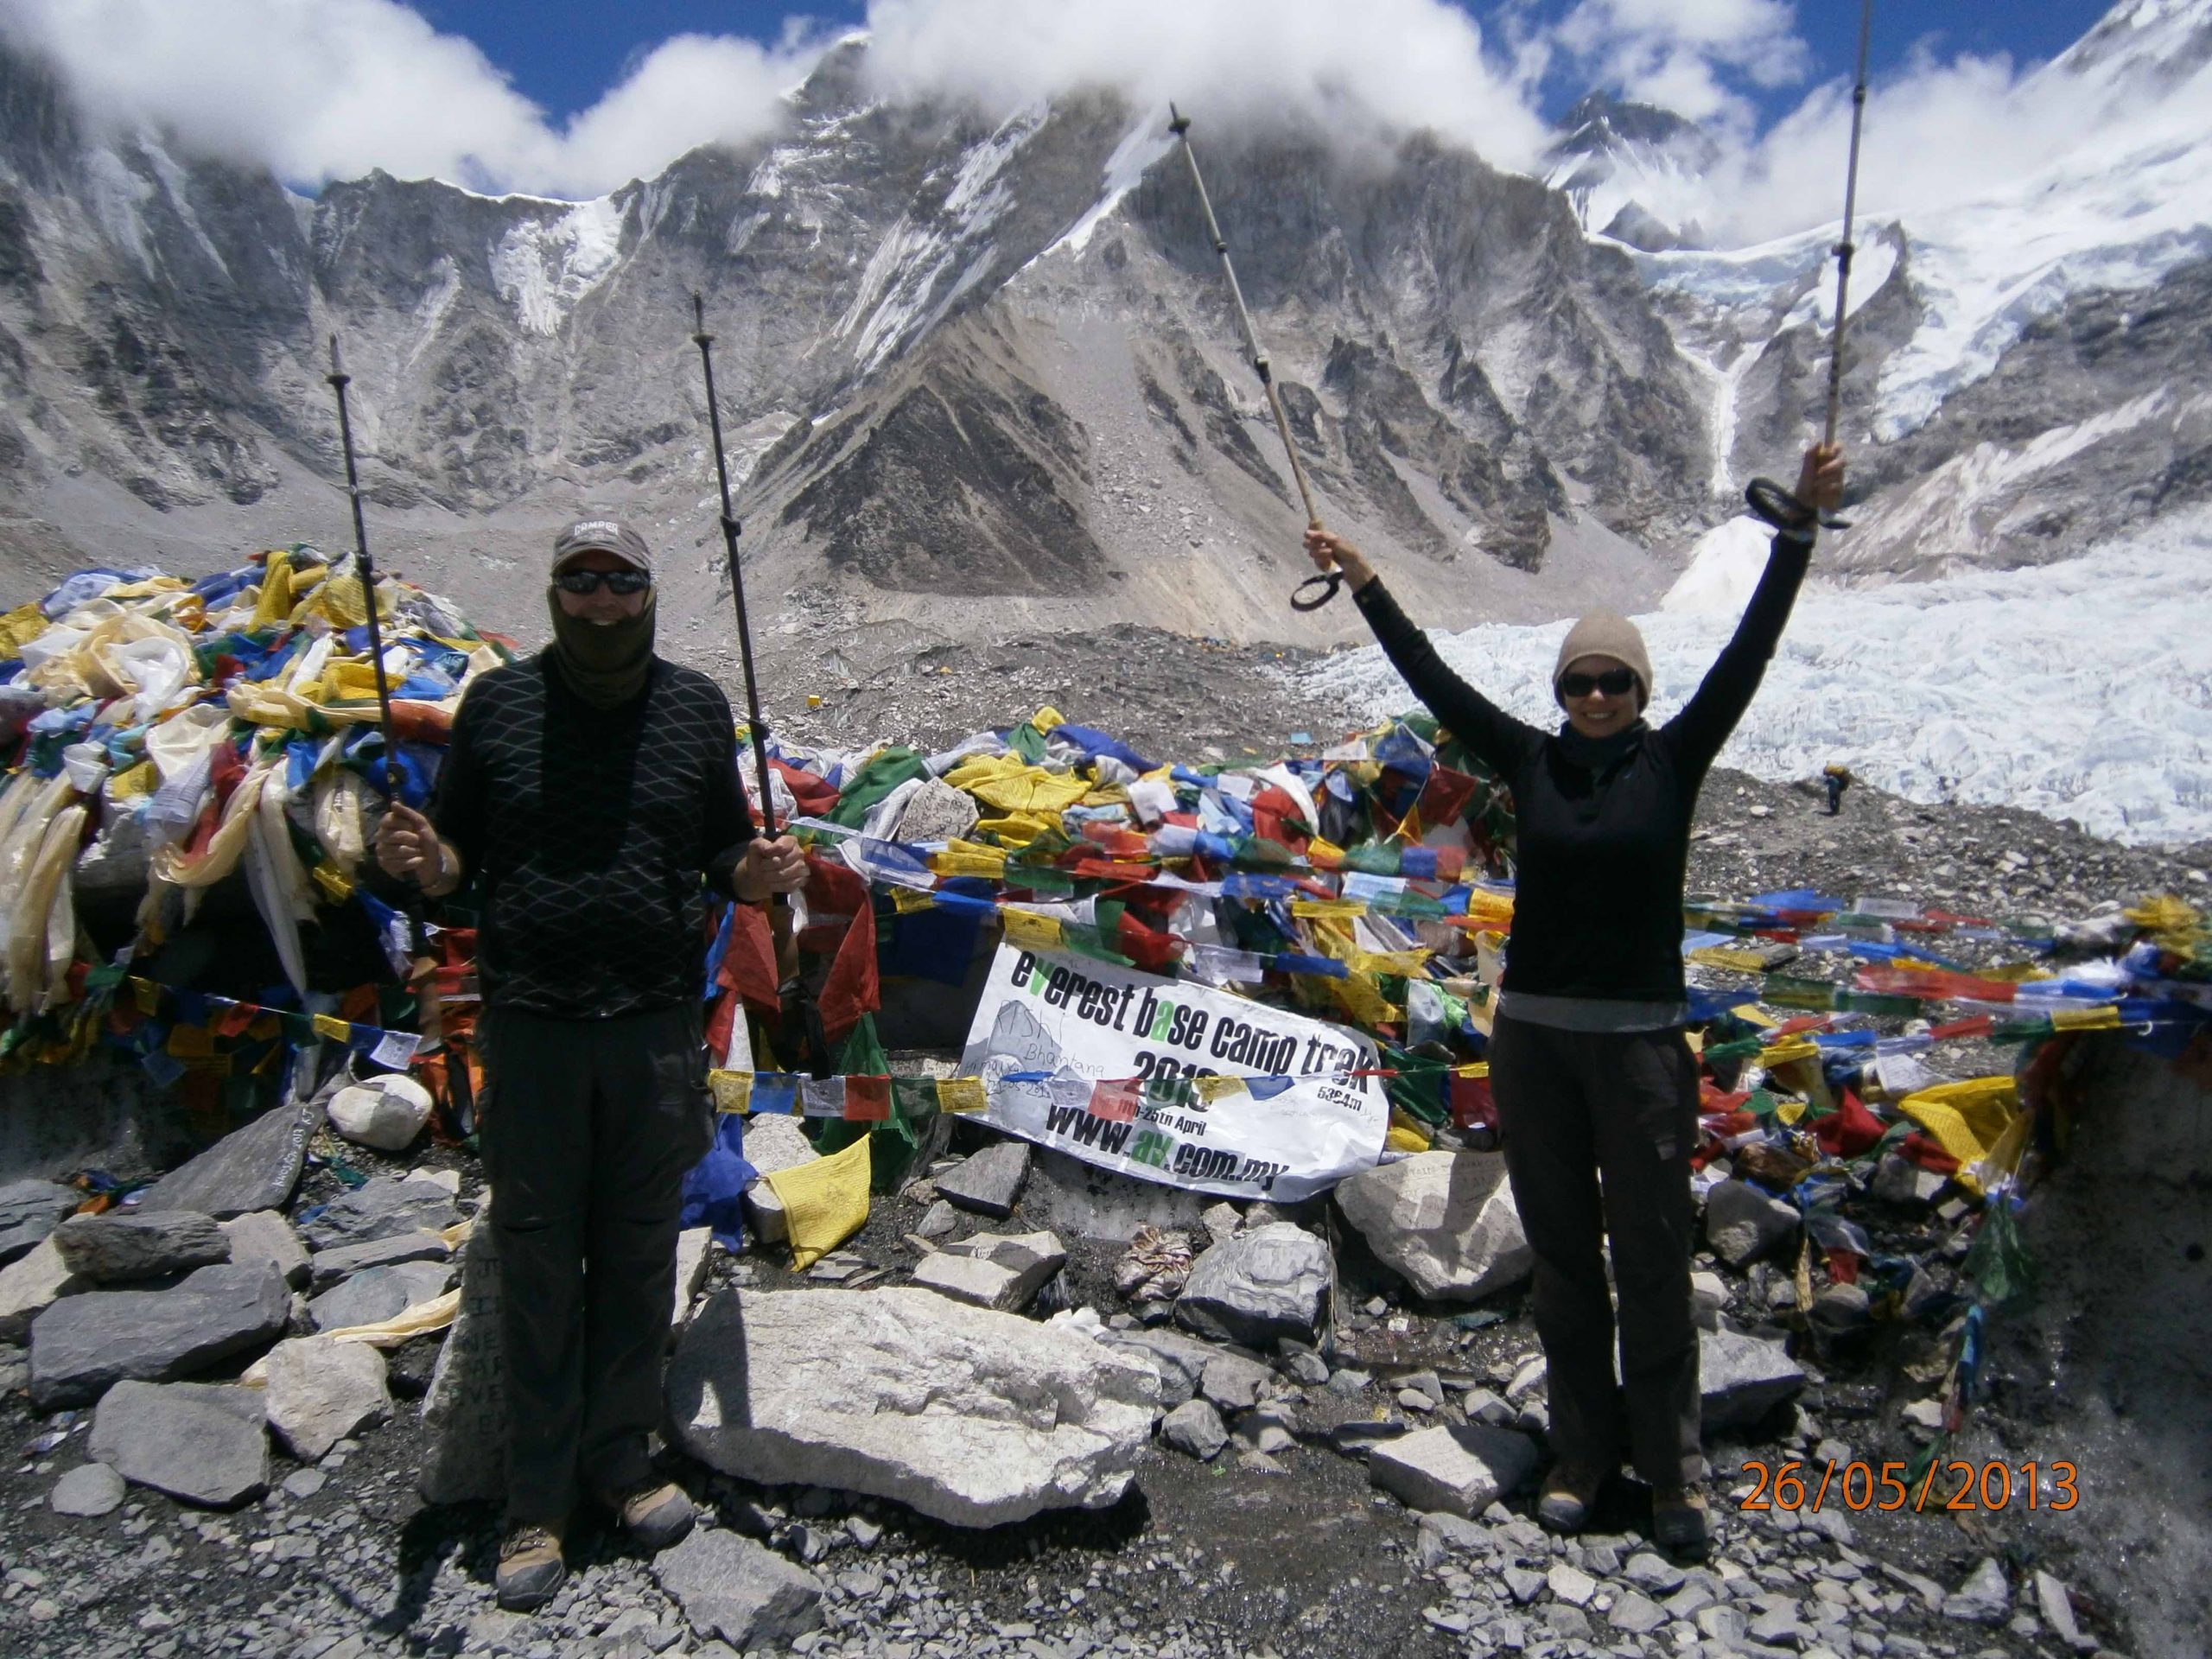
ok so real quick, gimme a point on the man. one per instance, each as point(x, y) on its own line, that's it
point(588, 789)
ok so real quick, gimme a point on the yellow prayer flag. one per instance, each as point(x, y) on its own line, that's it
point(907, 900)
point(732, 1090)
point(960, 1095)
point(1031, 931)
point(1967, 1118)
point(825, 1202)
point(2098, 1018)
point(1328, 909)
point(330, 1026)
point(190, 1042)
point(1211, 1089)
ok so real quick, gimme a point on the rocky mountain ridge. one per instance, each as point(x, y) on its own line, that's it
point(974, 363)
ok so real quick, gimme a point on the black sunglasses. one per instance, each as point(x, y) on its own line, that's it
point(623, 582)
point(1614, 683)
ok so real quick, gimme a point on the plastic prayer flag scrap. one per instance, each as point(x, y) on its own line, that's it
point(960, 1095)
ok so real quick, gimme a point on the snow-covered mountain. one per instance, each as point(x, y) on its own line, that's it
point(980, 371)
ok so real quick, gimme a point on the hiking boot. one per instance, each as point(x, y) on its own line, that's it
point(1681, 1523)
point(530, 1569)
point(1570, 1493)
point(655, 1517)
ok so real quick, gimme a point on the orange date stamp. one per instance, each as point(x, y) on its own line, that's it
point(1957, 1485)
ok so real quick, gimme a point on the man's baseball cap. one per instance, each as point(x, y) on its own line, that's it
point(602, 535)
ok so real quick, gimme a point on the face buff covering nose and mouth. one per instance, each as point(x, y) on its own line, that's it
point(606, 664)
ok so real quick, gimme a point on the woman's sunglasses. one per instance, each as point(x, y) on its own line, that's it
point(623, 582)
point(1614, 683)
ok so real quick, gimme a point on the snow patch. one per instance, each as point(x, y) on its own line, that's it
point(1725, 566)
point(1144, 145)
point(2081, 690)
point(544, 268)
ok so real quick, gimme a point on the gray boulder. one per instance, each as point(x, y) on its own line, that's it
point(990, 1181)
point(999, 1270)
point(264, 1235)
point(1460, 1470)
point(773, 1141)
point(694, 1246)
point(1742, 1224)
point(380, 1208)
point(1233, 1383)
point(124, 1245)
point(1180, 1362)
point(1194, 1427)
point(379, 1294)
point(89, 1490)
point(205, 1444)
point(1445, 1221)
point(31, 1284)
point(330, 1265)
point(1741, 1379)
point(1271, 1282)
point(253, 1168)
point(1984, 1599)
point(970, 1416)
point(465, 1411)
point(732, 1589)
point(320, 1391)
point(83, 1345)
point(29, 1210)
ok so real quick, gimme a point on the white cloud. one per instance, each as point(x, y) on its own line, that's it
point(1379, 65)
point(1677, 54)
point(333, 88)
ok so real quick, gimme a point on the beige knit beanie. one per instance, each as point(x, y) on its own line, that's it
point(1601, 633)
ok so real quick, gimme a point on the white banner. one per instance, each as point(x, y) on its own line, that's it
point(1301, 1125)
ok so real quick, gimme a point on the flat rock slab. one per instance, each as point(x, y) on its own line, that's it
point(89, 1490)
point(1233, 1383)
point(253, 1168)
point(1742, 1224)
point(124, 1245)
point(733, 1588)
point(1271, 1282)
point(1461, 1470)
point(1741, 1379)
point(344, 1261)
point(379, 1294)
point(1179, 1361)
point(264, 1235)
point(972, 1417)
point(83, 1345)
point(381, 1209)
point(1443, 1221)
point(31, 1284)
point(319, 1391)
point(999, 1270)
point(693, 1245)
point(31, 1209)
point(205, 1444)
point(990, 1181)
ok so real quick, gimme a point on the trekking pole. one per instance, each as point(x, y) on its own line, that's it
point(366, 570)
point(758, 727)
point(1328, 580)
point(425, 964)
point(1762, 492)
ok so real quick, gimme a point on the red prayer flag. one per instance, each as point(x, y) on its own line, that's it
point(867, 1100)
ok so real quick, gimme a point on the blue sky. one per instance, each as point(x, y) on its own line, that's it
point(564, 55)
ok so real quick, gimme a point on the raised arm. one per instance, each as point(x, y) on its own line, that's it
point(1496, 738)
point(1705, 721)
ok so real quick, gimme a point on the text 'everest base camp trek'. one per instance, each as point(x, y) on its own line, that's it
point(1023, 1096)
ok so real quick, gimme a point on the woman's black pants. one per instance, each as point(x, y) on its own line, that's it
point(1599, 1129)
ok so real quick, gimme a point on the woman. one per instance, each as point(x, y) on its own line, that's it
point(1596, 1090)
